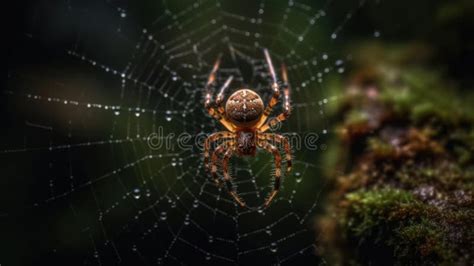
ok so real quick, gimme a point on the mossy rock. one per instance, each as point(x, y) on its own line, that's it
point(407, 149)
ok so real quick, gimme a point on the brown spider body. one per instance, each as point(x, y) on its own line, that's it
point(244, 108)
point(245, 117)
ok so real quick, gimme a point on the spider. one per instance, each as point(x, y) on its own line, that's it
point(245, 119)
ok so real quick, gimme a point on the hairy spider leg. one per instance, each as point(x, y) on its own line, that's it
point(212, 138)
point(275, 88)
point(276, 185)
point(282, 140)
point(228, 179)
point(215, 158)
point(286, 105)
point(220, 96)
point(208, 104)
point(270, 66)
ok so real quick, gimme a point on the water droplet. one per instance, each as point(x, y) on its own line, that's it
point(268, 231)
point(123, 15)
point(136, 193)
point(333, 36)
point(273, 247)
point(163, 216)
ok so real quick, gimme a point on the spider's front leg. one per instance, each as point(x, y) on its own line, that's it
point(275, 89)
point(218, 113)
point(276, 154)
point(220, 96)
point(286, 105)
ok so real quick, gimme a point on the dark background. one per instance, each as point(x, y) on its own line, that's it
point(37, 229)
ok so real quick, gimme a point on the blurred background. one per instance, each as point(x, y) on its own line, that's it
point(89, 81)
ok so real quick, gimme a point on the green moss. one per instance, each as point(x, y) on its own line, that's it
point(423, 239)
point(406, 194)
point(423, 95)
point(379, 147)
point(397, 225)
point(365, 207)
point(356, 117)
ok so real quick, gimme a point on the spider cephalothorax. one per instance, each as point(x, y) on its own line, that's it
point(244, 107)
point(245, 118)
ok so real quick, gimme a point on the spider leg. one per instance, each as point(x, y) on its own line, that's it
point(211, 109)
point(275, 88)
point(286, 106)
point(215, 158)
point(220, 96)
point(282, 140)
point(276, 154)
point(212, 138)
point(227, 178)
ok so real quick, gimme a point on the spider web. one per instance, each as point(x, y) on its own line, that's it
point(81, 127)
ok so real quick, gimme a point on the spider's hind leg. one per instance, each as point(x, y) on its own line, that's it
point(227, 179)
point(215, 158)
point(213, 138)
point(276, 185)
point(280, 140)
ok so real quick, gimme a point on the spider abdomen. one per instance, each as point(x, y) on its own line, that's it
point(244, 108)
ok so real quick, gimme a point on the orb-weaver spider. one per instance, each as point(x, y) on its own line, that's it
point(245, 118)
